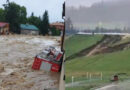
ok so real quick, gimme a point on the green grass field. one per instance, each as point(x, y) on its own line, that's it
point(77, 43)
point(109, 64)
point(118, 61)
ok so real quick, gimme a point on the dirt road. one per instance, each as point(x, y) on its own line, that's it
point(17, 53)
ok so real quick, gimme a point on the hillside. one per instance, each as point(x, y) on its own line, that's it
point(77, 43)
point(102, 59)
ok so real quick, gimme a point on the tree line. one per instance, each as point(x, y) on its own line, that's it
point(15, 15)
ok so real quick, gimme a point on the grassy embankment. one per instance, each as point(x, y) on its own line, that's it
point(77, 43)
point(109, 64)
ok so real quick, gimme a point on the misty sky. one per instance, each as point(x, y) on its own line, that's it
point(77, 3)
point(109, 14)
point(54, 7)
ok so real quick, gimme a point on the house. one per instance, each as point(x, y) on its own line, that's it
point(4, 28)
point(58, 25)
point(29, 29)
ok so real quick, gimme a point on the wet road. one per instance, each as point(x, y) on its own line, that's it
point(117, 86)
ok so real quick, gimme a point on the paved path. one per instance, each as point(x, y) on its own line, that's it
point(117, 86)
point(110, 87)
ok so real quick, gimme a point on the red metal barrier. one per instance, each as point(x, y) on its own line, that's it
point(49, 60)
point(59, 57)
point(55, 67)
point(36, 64)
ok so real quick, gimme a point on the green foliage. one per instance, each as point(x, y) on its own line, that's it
point(2, 15)
point(15, 14)
point(34, 20)
point(44, 26)
point(41, 23)
point(55, 32)
point(23, 15)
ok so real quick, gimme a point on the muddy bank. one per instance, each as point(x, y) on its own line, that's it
point(106, 45)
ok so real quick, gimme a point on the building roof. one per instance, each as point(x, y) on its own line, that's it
point(28, 27)
point(2, 24)
point(57, 23)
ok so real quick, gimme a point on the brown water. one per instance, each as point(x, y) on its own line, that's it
point(16, 58)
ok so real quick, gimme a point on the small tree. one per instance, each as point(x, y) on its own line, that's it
point(23, 15)
point(12, 15)
point(34, 20)
point(44, 24)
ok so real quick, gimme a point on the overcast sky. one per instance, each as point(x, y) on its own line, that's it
point(54, 7)
point(77, 3)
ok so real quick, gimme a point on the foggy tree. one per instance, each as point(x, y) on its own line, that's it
point(69, 25)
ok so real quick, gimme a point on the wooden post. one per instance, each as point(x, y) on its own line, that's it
point(87, 75)
point(90, 76)
point(101, 75)
point(72, 80)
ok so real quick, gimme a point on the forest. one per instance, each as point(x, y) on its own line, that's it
point(15, 15)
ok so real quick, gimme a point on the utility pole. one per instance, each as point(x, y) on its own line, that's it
point(63, 34)
point(62, 76)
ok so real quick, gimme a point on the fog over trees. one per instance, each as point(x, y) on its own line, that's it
point(106, 12)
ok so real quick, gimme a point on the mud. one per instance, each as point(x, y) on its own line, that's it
point(107, 46)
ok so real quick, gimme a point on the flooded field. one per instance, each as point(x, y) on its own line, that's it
point(17, 54)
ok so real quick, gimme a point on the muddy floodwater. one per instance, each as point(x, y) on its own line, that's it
point(17, 54)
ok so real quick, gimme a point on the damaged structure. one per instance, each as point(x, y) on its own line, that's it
point(48, 60)
point(4, 28)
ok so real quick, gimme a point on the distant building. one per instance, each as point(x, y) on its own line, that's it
point(4, 28)
point(58, 25)
point(29, 29)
